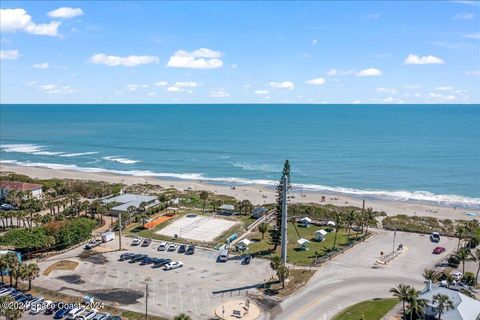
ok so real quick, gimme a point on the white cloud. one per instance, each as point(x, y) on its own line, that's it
point(9, 54)
point(370, 72)
point(174, 89)
point(202, 58)
point(356, 101)
point(187, 84)
point(282, 85)
point(43, 65)
point(475, 73)
point(464, 16)
point(262, 92)
point(12, 20)
point(219, 93)
point(442, 98)
point(161, 83)
point(444, 88)
point(475, 35)
point(151, 94)
point(316, 81)
point(467, 2)
point(387, 90)
point(332, 72)
point(414, 59)
point(389, 99)
point(314, 42)
point(413, 86)
point(54, 89)
point(135, 87)
point(65, 13)
point(129, 61)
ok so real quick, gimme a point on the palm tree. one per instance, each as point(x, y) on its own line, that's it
point(182, 316)
point(29, 272)
point(282, 273)
point(3, 265)
point(463, 255)
point(459, 233)
point(12, 265)
point(429, 274)
point(443, 303)
point(369, 217)
point(275, 262)
point(204, 197)
point(338, 225)
point(402, 292)
point(352, 215)
point(13, 313)
point(416, 305)
point(476, 257)
point(263, 228)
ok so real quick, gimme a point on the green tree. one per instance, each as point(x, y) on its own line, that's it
point(275, 262)
point(463, 255)
point(416, 305)
point(443, 303)
point(8, 309)
point(429, 274)
point(369, 218)
point(182, 316)
point(282, 273)
point(351, 216)
point(263, 228)
point(402, 292)
point(29, 272)
point(476, 258)
point(204, 197)
point(338, 225)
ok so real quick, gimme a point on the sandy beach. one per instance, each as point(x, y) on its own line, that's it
point(257, 194)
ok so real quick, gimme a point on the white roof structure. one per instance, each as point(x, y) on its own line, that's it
point(464, 308)
point(130, 199)
point(302, 241)
point(245, 242)
point(322, 232)
point(306, 219)
point(229, 207)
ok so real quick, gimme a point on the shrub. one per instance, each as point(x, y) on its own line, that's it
point(469, 278)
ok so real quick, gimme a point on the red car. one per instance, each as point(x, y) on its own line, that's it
point(438, 250)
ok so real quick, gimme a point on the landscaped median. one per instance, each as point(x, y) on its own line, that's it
point(367, 310)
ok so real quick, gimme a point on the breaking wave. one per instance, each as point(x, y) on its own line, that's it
point(120, 160)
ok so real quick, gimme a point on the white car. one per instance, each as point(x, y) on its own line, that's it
point(137, 241)
point(88, 314)
point(75, 313)
point(33, 302)
point(457, 275)
point(173, 265)
point(172, 247)
point(162, 246)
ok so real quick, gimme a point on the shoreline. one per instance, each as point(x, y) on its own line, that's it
point(257, 194)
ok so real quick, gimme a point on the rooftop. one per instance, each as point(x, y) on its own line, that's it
point(20, 186)
point(129, 199)
point(464, 308)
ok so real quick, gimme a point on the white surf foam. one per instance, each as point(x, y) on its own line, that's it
point(256, 167)
point(120, 160)
point(400, 195)
point(70, 155)
point(21, 148)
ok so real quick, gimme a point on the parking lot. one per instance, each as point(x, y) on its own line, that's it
point(196, 289)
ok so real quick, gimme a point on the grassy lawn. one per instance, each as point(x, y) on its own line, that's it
point(368, 310)
point(296, 256)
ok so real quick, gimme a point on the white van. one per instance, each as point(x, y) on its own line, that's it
point(223, 256)
point(74, 313)
point(435, 237)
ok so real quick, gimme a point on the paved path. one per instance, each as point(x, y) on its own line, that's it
point(354, 277)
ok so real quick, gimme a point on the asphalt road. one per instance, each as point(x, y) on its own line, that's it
point(354, 276)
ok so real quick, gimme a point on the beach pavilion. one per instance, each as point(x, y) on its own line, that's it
point(303, 244)
point(320, 235)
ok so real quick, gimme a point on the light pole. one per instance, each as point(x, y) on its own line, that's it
point(120, 231)
point(394, 236)
point(146, 301)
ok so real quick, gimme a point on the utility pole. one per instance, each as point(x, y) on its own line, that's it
point(119, 231)
point(394, 236)
point(146, 301)
point(284, 184)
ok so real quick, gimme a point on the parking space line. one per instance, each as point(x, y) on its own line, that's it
point(154, 291)
point(194, 300)
point(118, 278)
point(180, 293)
point(105, 279)
point(166, 283)
point(94, 274)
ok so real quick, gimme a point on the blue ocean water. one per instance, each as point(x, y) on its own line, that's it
point(417, 152)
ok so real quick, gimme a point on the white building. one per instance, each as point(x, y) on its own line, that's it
point(303, 243)
point(320, 235)
point(128, 200)
point(7, 186)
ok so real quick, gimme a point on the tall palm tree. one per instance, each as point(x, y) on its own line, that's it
point(282, 273)
point(416, 305)
point(3, 265)
point(13, 313)
point(369, 218)
point(12, 265)
point(351, 216)
point(476, 257)
point(402, 292)
point(463, 255)
point(429, 274)
point(460, 230)
point(29, 272)
point(443, 303)
point(338, 225)
point(204, 197)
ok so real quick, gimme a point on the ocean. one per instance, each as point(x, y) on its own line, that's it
point(402, 152)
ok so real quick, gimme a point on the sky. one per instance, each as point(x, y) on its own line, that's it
point(240, 52)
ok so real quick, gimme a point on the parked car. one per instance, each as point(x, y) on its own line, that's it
point(92, 244)
point(75, 313)
point(101, 316)
point(6, 207)
point(172, 247)
point(162, 246)
point(51, 309)
point(182, 248)
point(161, 262)
point(137, 258)
point(29, 304)
point(126, 256)
point(435, 237)
point(61, 313)
point(146, 242)
point(137, 241)
point(146, 261)
point(88, 314)
point(114, 318)
point(190, 250)
point(246, 259)
point(457, 275)
point(438, 250)
point(173, 265)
